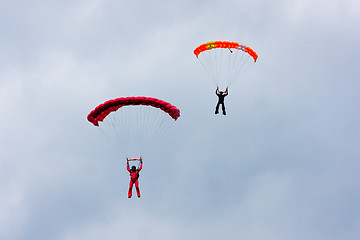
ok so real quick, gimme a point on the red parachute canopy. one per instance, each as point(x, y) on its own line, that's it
point(225, 61)
point(133, 123)
point(103, 110)
point(225, 44)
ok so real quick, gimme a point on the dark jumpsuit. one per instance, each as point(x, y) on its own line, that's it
point(221, 96)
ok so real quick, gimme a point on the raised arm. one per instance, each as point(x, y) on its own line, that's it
point(127, 164)
point(140, 165)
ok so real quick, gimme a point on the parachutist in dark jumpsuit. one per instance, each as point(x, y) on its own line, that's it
point(221, 95)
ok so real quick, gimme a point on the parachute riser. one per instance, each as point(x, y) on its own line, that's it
point(134, 160)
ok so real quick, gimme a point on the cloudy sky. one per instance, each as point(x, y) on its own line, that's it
point(283, 164)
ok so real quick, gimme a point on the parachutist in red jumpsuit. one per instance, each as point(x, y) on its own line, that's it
point(221, 95)
point(134, 175)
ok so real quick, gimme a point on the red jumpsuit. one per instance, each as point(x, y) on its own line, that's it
point(134, 175)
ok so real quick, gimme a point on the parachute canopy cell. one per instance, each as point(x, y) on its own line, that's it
point(103, 110)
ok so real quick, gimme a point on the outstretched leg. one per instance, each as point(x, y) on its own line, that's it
point(137, 188)
point(130, 189)
point(223, 109)
point(217, 108)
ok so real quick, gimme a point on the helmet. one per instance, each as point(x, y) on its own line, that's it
point(133, 168)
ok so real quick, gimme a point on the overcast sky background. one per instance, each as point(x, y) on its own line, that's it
point(283, 164)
